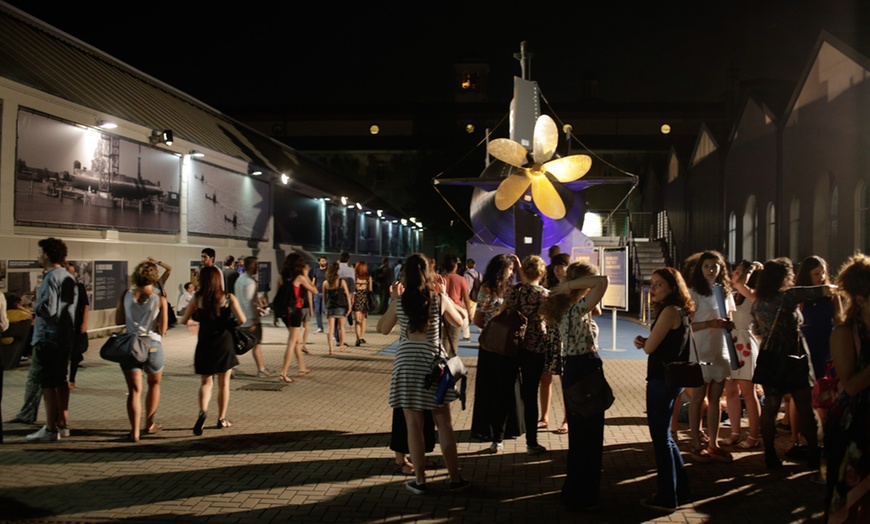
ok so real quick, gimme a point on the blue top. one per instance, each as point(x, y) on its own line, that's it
point(55, 307)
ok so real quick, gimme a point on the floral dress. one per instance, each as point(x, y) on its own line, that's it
point(528, 299)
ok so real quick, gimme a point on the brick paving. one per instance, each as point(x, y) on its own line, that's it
point(316, 451)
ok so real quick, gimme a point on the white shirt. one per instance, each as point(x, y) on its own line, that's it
point(184, 300)
point(246, 293)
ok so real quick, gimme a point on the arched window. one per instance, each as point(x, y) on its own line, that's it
point(794, 229)
point(750, 224)
point(732, 237)
point(770, 252)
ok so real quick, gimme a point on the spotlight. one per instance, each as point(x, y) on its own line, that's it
point(196, 154)
point(285, 179)
point(358, 206)
point(105, 124)
point(255, 172)
point(160, 137)
point(380, 213)
point(344, 200)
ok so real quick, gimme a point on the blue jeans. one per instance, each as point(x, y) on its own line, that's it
point(318, 310)
point(671, 479)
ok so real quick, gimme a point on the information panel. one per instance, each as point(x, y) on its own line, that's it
point(615, 266)
point(110, 279)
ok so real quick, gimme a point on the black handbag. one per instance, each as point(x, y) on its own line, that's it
point(590, 395)
point(243, 340)
point(504, 333)
point(780, 370)
point(683, 373)
point(126, 348)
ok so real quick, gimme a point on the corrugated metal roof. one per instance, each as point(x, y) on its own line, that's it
point(37, 55)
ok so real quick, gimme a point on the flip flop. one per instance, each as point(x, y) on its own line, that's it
point(224, 423)
point(200, 422)
point(285, 378)
point(306, 372)
point(155, 428)
point(543, 424)
point(563, 429)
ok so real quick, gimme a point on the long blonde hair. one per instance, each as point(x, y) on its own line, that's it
point(557, 305)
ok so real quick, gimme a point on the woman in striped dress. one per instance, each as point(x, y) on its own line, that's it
point(418, 305)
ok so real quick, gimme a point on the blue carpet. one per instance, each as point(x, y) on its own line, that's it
point(626, 331)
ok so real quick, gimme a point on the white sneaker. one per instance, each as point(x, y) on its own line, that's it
point(44, 435)
point(496, 447)
point(319, 330)
point(63, 431)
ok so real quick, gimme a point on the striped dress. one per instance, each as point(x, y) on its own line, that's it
point(414, 362)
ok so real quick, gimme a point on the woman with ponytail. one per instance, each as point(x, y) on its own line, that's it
point(418, 309)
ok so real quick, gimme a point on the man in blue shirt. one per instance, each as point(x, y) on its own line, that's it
point(53, 337)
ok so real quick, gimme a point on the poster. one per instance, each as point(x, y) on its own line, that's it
point(110, 280)
point(225, 204)
point(615, 266)
point(71, 176)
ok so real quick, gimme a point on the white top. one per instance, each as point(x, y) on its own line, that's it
point(246, 293)
point(710, 343)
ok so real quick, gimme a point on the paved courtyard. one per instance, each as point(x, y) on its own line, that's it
point(316, 451)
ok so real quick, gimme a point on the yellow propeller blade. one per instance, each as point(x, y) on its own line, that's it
point(570, 168)
point(511, 189)
point(545, 140)
point(508, 151)
point(547, 198)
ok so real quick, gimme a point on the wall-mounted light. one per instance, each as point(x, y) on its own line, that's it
point(359, 206)
point(196, 154)
point(368, 212)
point(160, 137)
point(404, 222)
point(327, 199)
point(285, 179)
point(106, 124)
point(380, 213)
point(344, 200)
point(255, 172)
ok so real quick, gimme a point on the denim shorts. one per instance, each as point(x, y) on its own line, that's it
point(153, 365)
point(337, 312)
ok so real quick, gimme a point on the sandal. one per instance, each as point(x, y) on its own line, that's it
point(404, 469)
point(303, 373)
point(719, 455)
point(563, 429)
point(749, 443)
point(285, 378)
point(154, 428)
point(732, 440)
point(703, 438)
point(132, 438)
point(305, 350)
point(543, 424)
point(200, 422)
point(223, 423)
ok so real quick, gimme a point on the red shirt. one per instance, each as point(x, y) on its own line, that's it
point(455, 285)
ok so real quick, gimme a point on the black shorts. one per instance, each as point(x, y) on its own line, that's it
point(54, 360)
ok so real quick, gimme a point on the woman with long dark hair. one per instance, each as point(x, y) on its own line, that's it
point(497, 411)
point(777, 322)
point(362, 288)
point(710, 329)
point(144, 311)
point(336, 298)
point(293, 274)
point(419, 311)
point(669, 337)
point(216, 311)
point(569, 309)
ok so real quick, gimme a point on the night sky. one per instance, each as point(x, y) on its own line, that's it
point(322, 53)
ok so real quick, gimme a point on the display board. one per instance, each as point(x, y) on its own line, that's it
point(222, 203)
point(71, 176)
point(615, 266)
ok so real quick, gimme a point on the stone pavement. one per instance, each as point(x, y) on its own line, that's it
point(316, 451)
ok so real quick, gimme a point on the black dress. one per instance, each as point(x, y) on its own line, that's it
point(214, 345)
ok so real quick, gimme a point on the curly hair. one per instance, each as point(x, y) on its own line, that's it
point(854, 281)
point(534, 267)
point(145, 274)
point(497, 274)
point(776, 278)
point(54, 248)
point(699, 281)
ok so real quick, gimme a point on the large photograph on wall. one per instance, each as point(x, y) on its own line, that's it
point(368, 235)
point(226, 204)
point(298, 220)
point(71, 176)
point(340, 228)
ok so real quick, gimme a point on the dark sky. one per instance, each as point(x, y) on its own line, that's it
point(324, 53)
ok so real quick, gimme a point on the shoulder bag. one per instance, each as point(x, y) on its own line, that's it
point(125, 348)
point(683, 373)
point(780, 370)
point(590, 395)
point(243, 339)
point(504, 333)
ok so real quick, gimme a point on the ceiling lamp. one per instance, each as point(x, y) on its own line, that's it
point(106, 124)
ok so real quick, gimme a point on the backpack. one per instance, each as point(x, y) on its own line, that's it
point(475, 287)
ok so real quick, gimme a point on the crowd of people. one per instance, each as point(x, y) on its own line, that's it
point(719, 316)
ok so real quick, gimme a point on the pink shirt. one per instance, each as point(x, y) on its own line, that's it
point(455, 285)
